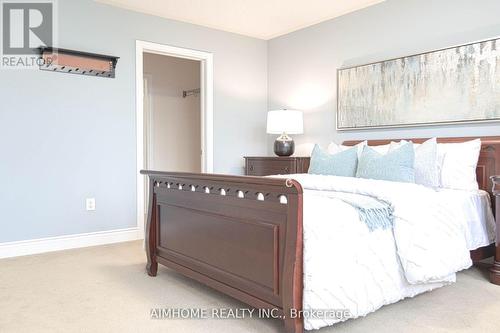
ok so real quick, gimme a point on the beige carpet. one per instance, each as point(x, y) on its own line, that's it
point(106, 289)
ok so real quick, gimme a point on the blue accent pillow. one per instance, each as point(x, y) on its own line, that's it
point(341, 164)
point(397, 165)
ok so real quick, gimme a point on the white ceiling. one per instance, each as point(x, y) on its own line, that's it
point(263, 19)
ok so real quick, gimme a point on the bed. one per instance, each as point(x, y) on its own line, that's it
point(244, 236)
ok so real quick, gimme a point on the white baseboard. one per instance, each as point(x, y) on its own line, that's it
point(49, 244)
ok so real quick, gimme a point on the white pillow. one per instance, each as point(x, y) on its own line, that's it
point(458, 163)
point(426, 162)
point(334, 148)
point(383, 149)
point(304, 149)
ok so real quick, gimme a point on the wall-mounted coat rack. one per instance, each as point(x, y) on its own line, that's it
point(76, 62)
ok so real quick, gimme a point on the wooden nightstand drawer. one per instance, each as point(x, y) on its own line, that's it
point(265, 166)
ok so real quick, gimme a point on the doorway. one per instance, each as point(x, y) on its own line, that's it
point(174, 113)
point(172, 117)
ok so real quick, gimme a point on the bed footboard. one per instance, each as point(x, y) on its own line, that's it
point(239, 235)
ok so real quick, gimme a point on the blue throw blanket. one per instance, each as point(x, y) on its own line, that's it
point(375, 213)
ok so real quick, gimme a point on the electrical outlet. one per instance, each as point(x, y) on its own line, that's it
point(90, 203)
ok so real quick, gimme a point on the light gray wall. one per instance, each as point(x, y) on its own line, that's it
point(302, 65)
point(65, 137)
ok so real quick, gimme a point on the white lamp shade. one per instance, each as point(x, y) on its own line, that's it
point(285, 121)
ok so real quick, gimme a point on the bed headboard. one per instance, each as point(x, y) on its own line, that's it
point(489, 158)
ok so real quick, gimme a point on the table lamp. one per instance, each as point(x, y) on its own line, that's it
point(284, 122)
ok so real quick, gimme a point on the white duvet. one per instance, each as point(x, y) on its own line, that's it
point(347, 267)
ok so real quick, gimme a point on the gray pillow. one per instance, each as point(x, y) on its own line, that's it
point(397, 165)
point(341, 164)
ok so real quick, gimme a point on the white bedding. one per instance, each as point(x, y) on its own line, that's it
point(348, 267)
point(476, 207)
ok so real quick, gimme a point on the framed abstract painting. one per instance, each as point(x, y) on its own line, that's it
point(452, 85)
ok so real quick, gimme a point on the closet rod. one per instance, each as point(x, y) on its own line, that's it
point(191, 92)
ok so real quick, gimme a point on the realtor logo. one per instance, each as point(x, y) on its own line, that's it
point(26, 26)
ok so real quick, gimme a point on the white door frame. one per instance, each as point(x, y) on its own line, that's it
point(206, 97)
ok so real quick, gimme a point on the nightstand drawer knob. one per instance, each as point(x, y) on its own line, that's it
point(251, 168)
point(286, 169)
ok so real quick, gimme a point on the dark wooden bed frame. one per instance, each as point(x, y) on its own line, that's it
point(243, 235)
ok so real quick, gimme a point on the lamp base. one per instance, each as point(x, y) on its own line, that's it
point(284, 146)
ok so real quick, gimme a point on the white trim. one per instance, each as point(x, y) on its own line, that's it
point(49, 244)
point(148, 117)
point(207, 91)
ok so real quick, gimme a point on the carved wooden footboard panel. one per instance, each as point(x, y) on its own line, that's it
point(239, 235)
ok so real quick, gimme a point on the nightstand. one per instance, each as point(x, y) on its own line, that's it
point(265, 166)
